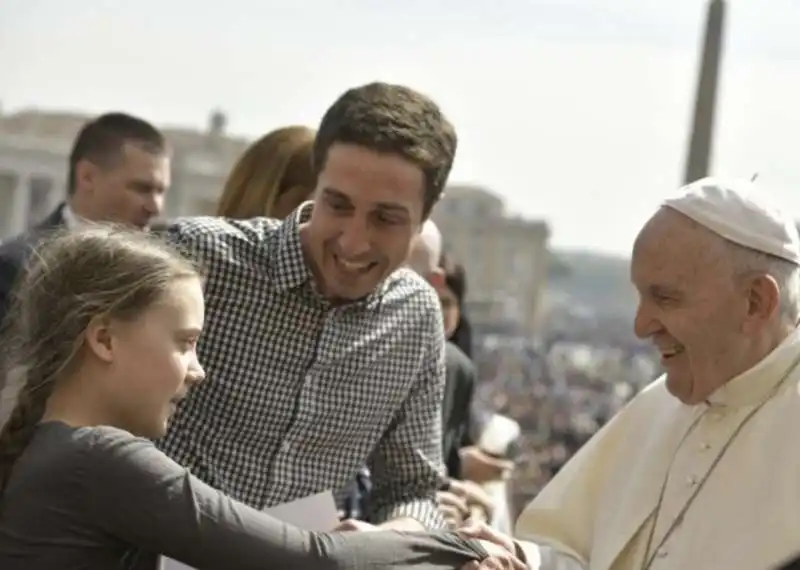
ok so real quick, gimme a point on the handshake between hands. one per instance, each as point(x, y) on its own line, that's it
point(463, 505)
point(501, 548)
point(467, 508)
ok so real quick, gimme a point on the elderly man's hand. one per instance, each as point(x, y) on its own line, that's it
point(461, 500)
point(453, 508)
point(480, 467)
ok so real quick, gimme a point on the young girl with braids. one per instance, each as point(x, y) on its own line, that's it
point(105, 332)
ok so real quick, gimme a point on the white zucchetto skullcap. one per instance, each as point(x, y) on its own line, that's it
point(741, 212)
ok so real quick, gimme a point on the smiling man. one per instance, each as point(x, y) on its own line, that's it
point(701, 469)
point(321, 352)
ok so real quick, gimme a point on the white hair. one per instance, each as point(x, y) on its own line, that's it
point(426, 249)
point(785, 273)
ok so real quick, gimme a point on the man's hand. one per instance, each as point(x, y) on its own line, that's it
point(461, 499)
point(499, 559)
point(480, 467)
point(485, 533)
point(453, 508)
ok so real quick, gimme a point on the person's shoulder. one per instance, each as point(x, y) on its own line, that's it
point(456, 358)
point(217, 242)
point(78, 447)
point(408, 286)
point(651, 406)
point(221, 228)
point(104, 439)
point(104, 452)
point(654, 391)
point(15, 249)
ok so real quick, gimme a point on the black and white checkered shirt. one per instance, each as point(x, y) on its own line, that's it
point(299, 393)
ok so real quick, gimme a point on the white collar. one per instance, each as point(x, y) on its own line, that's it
point(752, 385)
point(71, 219)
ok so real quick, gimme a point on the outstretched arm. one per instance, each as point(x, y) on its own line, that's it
point(137, 494)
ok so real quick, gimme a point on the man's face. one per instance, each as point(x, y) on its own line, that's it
point(367, 208)
point(129, 191)
point(689, 305)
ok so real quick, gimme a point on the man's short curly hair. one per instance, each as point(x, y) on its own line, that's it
point(392, 119)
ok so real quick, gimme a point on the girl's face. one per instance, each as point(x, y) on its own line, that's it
point(151, 361)
point(450, 310)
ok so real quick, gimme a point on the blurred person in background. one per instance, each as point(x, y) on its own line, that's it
point(424, 258)
point(119, 170)
point(453, 298)
point(457, 498)
point(272, 177)
point(449, 280)
point(464, 459)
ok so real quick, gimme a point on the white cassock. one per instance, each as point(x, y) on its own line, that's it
point(666, 486)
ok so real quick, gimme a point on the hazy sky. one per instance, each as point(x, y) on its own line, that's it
point(574, 110)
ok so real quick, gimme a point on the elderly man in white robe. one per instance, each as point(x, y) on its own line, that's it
point(702, 469)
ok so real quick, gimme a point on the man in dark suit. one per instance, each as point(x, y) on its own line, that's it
point(793, 564)
point(118, 172)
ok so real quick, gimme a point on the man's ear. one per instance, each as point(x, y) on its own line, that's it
point(763, 300)
point(86, 173)
point(99, 338)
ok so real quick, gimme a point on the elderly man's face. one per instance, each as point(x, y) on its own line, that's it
point(689, 304)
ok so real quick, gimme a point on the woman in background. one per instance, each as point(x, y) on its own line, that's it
point(465, 458)
point(456, 324)
point(273, 176)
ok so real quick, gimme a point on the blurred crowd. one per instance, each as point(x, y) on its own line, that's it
point(561, 393)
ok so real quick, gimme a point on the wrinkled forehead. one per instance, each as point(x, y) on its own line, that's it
point(672, 247)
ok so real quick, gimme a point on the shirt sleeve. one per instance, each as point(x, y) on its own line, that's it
point(407, 465)
point(138, 495)
point(199, 239)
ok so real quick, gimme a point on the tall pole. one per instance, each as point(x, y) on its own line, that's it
point(701, 142)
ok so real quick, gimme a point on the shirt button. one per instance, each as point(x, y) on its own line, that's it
point(691, 480)
point(705, 446)
point(715, 416)
point(661, 553)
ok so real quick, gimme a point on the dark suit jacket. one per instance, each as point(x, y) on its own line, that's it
point(14, 253)
point(456, 406)
point(791, 565)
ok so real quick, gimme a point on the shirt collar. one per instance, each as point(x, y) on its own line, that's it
point(754, 385)
point(289, 267)
point(71, 219)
